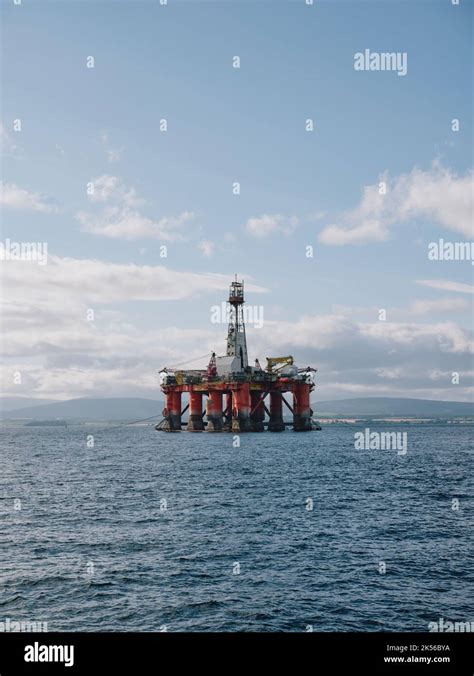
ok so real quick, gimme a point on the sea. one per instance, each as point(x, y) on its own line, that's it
point(123, 528)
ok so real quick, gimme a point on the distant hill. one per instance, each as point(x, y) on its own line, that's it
point(46, 423)
point(139, 408)
point(387, 406)
point(14, 403)
point(92, 409)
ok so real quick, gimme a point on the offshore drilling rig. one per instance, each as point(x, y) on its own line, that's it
point(244, 388)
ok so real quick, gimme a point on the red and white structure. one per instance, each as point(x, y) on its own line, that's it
point(230, 395)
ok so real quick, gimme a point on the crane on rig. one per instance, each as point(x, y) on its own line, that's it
point(283, 361)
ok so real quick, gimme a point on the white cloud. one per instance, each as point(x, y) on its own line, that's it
point(356, 358)
point(126, 223)
point(421, 307)
point(438, 375)
point(48, 339)
point(114, 155)
point(108, 188)
point(328, 332)
point(14, 197)
point(206, 247)
point(438, 195)
point(446, 336)
point(446, 285)
point(61, 354)
point(387, 373)
point(64, 280)
point(103, 188)
point(268, 224)
point(120, 218)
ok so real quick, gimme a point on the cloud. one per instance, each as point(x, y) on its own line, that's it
point(14, 197)
point(48, 338)
point(107, 188)
point(103, 188)
point(436, 374)
point(60, 354)
point(206, 247)
point(102, 282)
point(126, 223)
point(114, 155)
point(268, 224)
point(390, 374)
point(421, 307)
point(437, 195)
point(100, 360)
point(373, 358)
point(322, 333)
point(120, 218)
point(448, 337)
point(446, 285)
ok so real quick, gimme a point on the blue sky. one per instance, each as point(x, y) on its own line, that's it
point(174, 62)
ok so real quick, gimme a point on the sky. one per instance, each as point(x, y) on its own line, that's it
point(159, 149)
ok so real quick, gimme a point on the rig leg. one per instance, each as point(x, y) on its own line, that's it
point(195, 421)
point(301, 408)
point(227, 426)
point(241, 411)
point(214, 411)
point(257, 414)
point(172, 412)
point(276, 423)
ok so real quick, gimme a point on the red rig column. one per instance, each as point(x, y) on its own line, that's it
point(214, 411)
point(172, 411)
point(241, 409)
point(195, 421)
point(228, 412)
point(258, 415)
point(276, 423)
point(301, 408)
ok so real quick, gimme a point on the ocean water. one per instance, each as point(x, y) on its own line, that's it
point(150, 531)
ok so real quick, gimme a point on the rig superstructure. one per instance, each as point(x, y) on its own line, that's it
point(235, 391)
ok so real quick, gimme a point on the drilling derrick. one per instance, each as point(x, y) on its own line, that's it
point(235, 391)
point(236, 340)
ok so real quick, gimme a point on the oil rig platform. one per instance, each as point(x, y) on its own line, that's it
point(236, 393)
